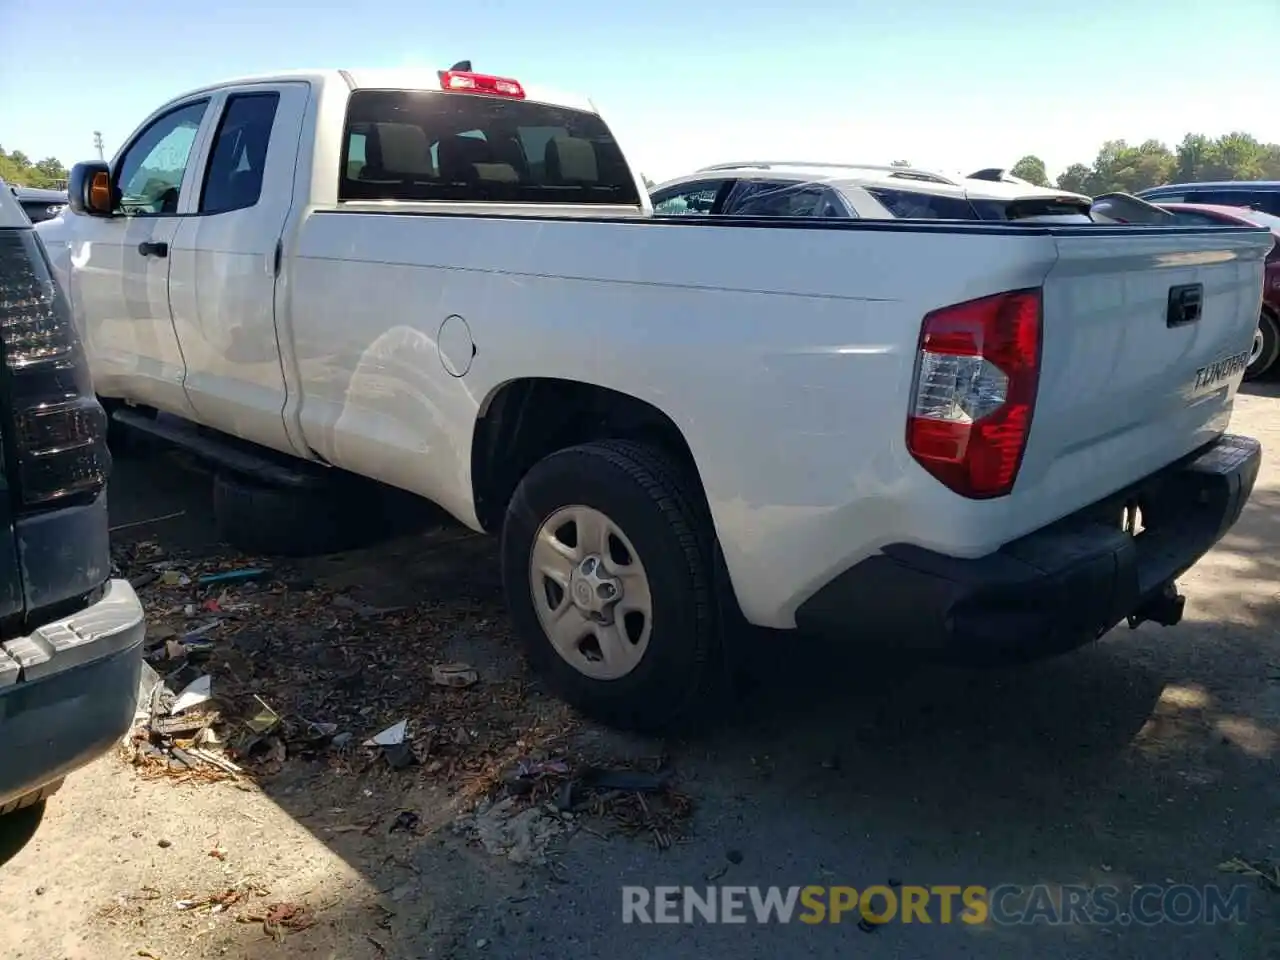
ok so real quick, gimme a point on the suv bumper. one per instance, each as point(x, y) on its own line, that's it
point(68, 691)
point(1057, 588)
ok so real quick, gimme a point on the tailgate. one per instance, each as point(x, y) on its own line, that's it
point(1145, 340)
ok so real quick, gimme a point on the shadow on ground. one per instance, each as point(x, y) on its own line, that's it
point(17, 829)
point(1148, 757)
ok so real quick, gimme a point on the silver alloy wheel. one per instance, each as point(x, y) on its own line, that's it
point(591, 592)
point(1255, 351)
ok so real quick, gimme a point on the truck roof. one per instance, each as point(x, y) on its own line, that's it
point(388, 78)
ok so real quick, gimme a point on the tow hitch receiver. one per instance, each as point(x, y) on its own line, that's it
point(1165, 608)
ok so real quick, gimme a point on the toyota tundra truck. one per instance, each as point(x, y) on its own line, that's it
point(949, 437)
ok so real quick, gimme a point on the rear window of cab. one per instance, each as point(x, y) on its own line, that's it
point(465, 148)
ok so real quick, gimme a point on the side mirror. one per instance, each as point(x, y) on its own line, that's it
point(89, 190)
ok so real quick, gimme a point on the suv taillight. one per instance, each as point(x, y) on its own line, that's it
point(975, 390)
point(57, 449)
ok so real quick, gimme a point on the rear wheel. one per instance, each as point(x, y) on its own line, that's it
point(1266, 346)
point(607, 565)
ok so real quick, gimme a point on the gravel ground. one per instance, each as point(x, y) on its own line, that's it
point(1149, 757)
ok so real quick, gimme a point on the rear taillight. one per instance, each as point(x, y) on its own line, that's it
point(975, 390)
point(56, 450)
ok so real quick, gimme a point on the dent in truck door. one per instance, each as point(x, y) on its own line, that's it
point(225, 262)
point(119, 271)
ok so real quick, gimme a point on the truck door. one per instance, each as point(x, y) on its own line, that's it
point(119, 265)
point(226, 260)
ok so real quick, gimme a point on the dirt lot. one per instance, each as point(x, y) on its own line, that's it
point(1147, 758)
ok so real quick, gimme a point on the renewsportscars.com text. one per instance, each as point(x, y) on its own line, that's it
point(1007, 904)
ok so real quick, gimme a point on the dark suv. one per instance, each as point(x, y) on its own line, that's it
point(70, 636)
point(40, 204)
point(1261, 195)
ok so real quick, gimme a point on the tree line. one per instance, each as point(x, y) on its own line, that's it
point(1117, 167)
point(1122, 167)
point(18, 168)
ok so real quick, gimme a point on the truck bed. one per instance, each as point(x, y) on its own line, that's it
point(803, 332)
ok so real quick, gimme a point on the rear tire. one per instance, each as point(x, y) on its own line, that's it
point(641, 519)
point(31, 799)
point(296, 522)
point(1266, 346)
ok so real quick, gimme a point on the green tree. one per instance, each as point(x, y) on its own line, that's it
point(1075, 179)
point(16, 167)
point(51, 169)
point(1193, 152)
point(1120, 166)
point(1031, 168)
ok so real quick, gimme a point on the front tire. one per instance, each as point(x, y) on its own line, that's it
point(1266, 347)
point(607, 565)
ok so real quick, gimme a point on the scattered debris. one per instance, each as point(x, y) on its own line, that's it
point(392, 736)
point(198, 691)
point(150, 520)
point(406, 820)
point(364, 610)
point(454, 675)
point(270, 665)
point(593, 779)
point(234, 576)
point(1267, 874)
point(280, 919)
point(505, 830)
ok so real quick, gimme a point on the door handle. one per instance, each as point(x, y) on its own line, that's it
point(153, 248)
point(1185, 302)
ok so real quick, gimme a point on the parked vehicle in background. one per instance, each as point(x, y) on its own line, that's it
point(925, 434)
point(860, 191)
point(1266, 342)
point(1261, 195)
point(40, 204)
point(70, 637)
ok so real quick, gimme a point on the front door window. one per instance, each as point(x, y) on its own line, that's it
point(149, 175)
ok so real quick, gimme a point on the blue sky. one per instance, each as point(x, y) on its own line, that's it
point(953, 85)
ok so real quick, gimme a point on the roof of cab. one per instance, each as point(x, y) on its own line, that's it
point(390, 78)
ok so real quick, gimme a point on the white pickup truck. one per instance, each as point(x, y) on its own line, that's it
point(960, 437)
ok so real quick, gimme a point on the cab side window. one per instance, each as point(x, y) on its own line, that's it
point(149, 175)
point(690, 199)
point(233, 178)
